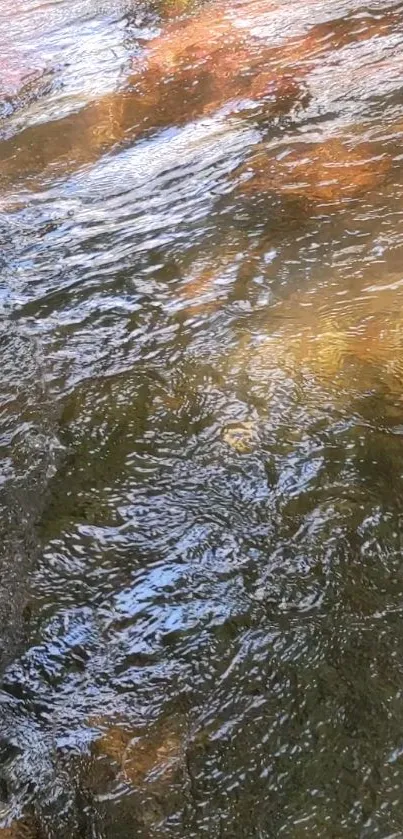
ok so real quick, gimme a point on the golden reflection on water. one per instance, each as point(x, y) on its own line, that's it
point(356, 339)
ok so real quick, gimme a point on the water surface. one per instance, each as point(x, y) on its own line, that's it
point(201, 481)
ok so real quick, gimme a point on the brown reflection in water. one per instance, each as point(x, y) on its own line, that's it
point(200, 290)
point(192, 69)
point(21, 829)
point(141, 757)
point(318, 172)
point(215, 32)
point(313, 176)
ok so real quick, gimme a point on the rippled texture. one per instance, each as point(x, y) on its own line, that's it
point(201, 478)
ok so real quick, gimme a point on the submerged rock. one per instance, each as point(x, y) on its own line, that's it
point(142, 757)
point(241, 437)
point(151, 764)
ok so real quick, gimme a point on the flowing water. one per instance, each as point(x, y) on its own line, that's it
point(201, 476)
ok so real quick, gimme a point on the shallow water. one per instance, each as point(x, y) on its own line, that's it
point(201, 483)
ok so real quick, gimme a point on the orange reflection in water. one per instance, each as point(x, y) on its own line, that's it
point(195, 67)
point(318, 172)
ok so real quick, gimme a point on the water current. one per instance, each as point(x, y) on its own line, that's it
point(201, 419)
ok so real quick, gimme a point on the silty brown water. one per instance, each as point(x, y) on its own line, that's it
point(202, 419)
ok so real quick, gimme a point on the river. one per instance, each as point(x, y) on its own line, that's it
point(201, 424)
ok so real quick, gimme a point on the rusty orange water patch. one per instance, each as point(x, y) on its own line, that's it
point(197, 65)
point(202, 288)
point(210, 59)
point(213, 34)
point(199, 71)
point(216, 27)
point(328, 171)
point(198, 37)
point(194, 68)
